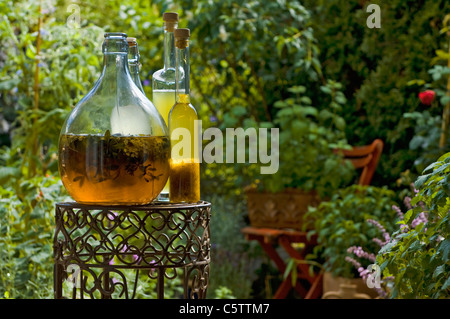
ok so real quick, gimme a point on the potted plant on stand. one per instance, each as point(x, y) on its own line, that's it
point(343, 230)
point(309, 169)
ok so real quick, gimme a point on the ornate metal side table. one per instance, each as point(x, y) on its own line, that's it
point(107, 252)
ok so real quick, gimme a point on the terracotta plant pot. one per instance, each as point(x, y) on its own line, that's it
point(346, 288)
point(279, 210)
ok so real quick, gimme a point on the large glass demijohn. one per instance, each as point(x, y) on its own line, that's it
point(114, 147)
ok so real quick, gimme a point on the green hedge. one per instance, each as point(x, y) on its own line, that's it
point(375, 66)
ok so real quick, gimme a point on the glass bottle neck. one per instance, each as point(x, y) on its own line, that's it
point(134, 65)
point(133, 60)
point(169, 45)
point(182, 75)
point(116, 73)
point(133, 55)
point(115, 65)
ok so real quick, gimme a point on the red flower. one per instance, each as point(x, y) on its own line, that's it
point(427, 97)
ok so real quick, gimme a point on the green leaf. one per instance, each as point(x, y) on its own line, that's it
point(443, 55)
point(325, 114)
point(306, 100)
point(446, 284)
point(8, 172)
point(280, 104)
point(309, 110)
point(421, 180)
point(444, 249)
point(339, 122)
point(9, 84)
point(288, 269)
point(439, 270)
point(31, 52)
point(325, 89)
point(297, 89)
point(239, 110)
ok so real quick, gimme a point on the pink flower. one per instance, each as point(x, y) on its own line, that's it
point(426, 97)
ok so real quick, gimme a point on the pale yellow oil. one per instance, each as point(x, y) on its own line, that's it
point(184, 166)
point(164, 100)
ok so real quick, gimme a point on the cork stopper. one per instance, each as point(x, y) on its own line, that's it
point(131, 41)
point(170, 21)
point(182, 33)
point(182, 38)
point(170, 16)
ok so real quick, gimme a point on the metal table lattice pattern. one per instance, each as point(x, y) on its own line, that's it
point(109, 251)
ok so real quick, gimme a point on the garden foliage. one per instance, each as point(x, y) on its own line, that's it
point(311, 68)
point(341, 223)
point(39, 85)
point(418, 256)
point(376, 66)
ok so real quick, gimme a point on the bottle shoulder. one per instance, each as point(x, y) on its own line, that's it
point(164, 75)
point(184, 109)
point(100, 111)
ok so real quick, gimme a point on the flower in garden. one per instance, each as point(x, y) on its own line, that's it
point(421, 219)
point(359, 252)
point(386, 235)
point(44, 33)
point(398, 211)
point(48, 10)
point(426, 97)
point(146, 82)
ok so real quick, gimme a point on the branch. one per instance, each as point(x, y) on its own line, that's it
point(35, 145)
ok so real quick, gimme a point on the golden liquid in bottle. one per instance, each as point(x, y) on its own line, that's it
point(164, 100)
point(114, 170)
point(185, 169)
point(184, 182)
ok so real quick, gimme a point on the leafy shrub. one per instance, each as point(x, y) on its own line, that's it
point(247, 55)
point(431, 134)
point(341, 223)
point(39, 87)
point(236, 84)
point(26, 243)
point(418, 258)
point(308, 137)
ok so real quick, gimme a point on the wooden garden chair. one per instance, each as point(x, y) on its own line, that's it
point(364, 158)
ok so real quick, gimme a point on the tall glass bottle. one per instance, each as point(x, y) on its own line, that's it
point(134, 62)
point(184, 167)
point(163, 80)
point(114, 147)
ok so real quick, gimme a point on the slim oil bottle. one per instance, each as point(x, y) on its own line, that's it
point(184, 174)
point(163, 80)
